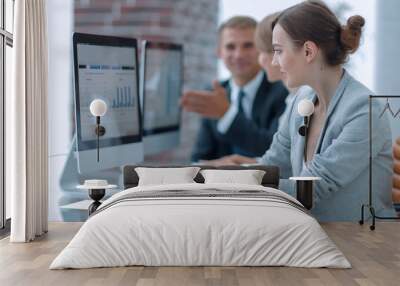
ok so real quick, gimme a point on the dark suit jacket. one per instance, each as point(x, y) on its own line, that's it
point(248, 137)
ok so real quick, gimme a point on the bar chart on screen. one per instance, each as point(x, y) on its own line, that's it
point(123, 98)
point(115, 84)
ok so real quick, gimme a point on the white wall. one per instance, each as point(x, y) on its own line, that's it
point(60, 23)
point(388, 42)
point(362, 62)
point(387, 57)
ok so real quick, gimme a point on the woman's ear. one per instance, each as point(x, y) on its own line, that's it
point(310, 51)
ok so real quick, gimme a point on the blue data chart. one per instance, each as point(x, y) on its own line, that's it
point(108, 73)
point(123, 98)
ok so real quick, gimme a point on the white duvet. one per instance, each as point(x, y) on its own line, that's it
point(200, 231)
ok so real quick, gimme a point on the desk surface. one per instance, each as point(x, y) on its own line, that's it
point(79, 205)
point(83, 205)
point(374, 255)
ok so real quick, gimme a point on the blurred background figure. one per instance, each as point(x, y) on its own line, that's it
point(240, 115)
point(263, 41)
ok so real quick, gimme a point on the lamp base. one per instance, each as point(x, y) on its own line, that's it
point(100, 130)
point(304, 193)
point(96, 195)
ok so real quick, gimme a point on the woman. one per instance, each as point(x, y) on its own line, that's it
point(310, 47)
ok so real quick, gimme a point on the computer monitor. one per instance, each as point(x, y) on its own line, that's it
point(161, 88)
point(106, 67)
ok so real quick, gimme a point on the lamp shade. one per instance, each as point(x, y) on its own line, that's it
point(98, 107)
point(305, 107)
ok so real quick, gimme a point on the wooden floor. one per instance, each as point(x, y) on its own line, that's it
point(374, 255)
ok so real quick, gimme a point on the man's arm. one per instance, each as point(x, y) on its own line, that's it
point(206, 143)
point(279, 152)
point(247, 135)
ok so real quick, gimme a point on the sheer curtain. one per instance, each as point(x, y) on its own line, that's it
point(27, 150)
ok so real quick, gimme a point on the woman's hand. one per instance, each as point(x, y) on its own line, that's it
point(230, 160)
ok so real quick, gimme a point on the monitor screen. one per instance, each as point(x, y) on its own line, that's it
point(106, 68)
point(162, 86)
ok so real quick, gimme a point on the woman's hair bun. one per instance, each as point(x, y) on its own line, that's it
point(351, 33)
point(356, 22)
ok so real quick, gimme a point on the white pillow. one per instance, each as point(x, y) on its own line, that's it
point(248, 177)
point(162, 176)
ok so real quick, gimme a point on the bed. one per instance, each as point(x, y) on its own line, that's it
point(201, 224)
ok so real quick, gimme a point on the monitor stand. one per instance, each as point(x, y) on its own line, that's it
point(71, 178)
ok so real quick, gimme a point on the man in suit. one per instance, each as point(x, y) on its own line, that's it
point(240, 115)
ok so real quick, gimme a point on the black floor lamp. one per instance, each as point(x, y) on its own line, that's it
point(370, 204)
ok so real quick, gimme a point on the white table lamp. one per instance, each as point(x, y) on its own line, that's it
point(98, 108)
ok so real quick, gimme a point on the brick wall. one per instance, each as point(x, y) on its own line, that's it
point(192, 23)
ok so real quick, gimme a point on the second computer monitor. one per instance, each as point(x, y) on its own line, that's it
point(161, 88)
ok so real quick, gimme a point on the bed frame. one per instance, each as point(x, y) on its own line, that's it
point(270, 179)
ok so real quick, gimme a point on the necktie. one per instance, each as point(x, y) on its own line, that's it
point(235, 149)
point(240, 100)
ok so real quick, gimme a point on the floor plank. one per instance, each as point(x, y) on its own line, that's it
point(374, 255)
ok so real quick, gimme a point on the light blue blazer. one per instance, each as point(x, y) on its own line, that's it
point(341, 158)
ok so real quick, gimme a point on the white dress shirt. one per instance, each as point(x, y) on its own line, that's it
point(250, 89)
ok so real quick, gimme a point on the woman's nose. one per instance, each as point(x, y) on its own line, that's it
point(275, 60)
